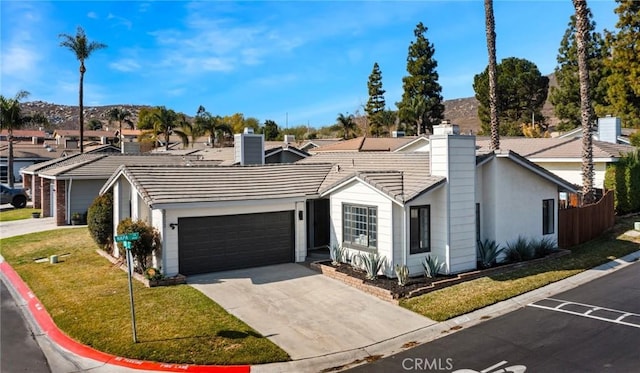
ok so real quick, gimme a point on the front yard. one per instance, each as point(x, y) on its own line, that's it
point(88, 298)
point(459, 299)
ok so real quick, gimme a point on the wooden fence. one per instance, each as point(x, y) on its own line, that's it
point(581, 224)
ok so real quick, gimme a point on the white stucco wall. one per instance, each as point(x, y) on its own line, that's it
point(437, 200)
point(571, 171)
point(511, 203)
point(162, 218)
point(357, 193)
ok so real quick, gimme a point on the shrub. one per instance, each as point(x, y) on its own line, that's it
point(371, 263)
point(542, 247)
point(338, 255)
point(432, 266)
point(489, 251)
point(519, 250)
point(142, 248)
point(152, 274)
point(402, 271)
point(100, 221)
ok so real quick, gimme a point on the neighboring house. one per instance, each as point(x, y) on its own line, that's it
point(68, 185)
point(29, 147)
point(609, 130)
point(70, 139)
point(376, 144)
point(309, 145)
point(563, 156)
point(403, 206)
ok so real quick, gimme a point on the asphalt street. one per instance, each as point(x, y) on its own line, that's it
point(19, 351)
point(592, 328)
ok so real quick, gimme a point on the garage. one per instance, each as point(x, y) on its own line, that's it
point(220, 243)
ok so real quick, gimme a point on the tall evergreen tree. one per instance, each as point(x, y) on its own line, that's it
point(521, 92)
point(623, 88)
point(587, 116)
point(490, 25)
point(376, 103)
point(270, 130)
point(82, 48)
point(566, 96)
point(422, 81)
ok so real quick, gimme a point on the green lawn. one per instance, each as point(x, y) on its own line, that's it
point(17, 214)
point(468, 296)
point(88, 299)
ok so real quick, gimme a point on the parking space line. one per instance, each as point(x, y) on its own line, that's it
point(587, 313)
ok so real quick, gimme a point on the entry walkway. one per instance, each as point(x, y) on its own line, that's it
point(305, 313)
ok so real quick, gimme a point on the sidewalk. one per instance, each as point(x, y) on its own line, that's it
point(65, 355)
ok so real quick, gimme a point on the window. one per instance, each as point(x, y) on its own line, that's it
point(548, 213)
point(360, 226)
point(420, 229)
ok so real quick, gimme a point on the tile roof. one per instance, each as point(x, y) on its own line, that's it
point(101, 166)
point(24, 133)
point(25, 149)
point(366, 144)
point(402, 176)
point(557, 147)
point(86, 133)
point(198, 184)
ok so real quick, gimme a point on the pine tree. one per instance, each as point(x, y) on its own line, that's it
point(566, 96)
point(422, 81)
point(521, 93)
point(376, 103)
point(623, 89)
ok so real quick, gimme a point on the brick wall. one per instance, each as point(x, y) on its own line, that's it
point(36, 195)
point(45, 196)
point(61, 206)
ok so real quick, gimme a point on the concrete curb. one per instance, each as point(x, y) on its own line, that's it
point(48, 327)
point(336, 361)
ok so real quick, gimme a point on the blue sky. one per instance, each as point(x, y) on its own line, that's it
point(292, 62)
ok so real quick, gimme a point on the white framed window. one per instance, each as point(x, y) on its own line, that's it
point(420, 229)
point(360, 227)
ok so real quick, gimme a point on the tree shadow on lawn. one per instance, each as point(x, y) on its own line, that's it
point(228, 334)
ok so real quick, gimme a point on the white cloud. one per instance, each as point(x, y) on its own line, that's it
point(125, 65)
point(120, 21)
point(92, 15)
point(18, 60)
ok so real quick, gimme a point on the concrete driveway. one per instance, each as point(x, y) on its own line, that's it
point(305, 313)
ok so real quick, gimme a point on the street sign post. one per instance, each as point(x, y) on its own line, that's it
point(126, 241)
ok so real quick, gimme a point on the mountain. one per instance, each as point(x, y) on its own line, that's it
point(460, 111)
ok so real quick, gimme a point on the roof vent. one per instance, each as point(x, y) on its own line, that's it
point(248, 131)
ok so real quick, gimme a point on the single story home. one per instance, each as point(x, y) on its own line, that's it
point(402, 206)
point(68, 185)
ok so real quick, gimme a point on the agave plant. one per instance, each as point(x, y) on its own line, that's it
point(402, 271)
point(338, 255)
point(489, 252)
point(432, 266)
point(519, 250)
point(371, 263)
point(543, 247)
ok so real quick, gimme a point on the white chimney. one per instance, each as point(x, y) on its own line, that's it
point(609, 129)
point(446, 128)
point(453, 156)
point(397, 133)
point(248, 148)
point(34, 140)
point(288, 139)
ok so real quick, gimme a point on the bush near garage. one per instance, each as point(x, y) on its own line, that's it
point(142, 248)
point(100, 221)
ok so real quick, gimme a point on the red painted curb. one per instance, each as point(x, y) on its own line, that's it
point(47, 325)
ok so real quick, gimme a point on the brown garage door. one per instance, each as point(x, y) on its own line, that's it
point(220, 243)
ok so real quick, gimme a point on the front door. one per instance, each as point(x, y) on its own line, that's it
point(318, 223)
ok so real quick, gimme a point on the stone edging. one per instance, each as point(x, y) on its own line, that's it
point(175, 280)
point(388, 296)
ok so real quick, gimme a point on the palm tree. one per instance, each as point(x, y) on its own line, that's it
point(205, 123)
point(493, 78)
point(163, 122)
point(82, 48)
point(347, 124)
point(11, 118)
point(120, 115)
point(416, 111)
point(587, 116)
